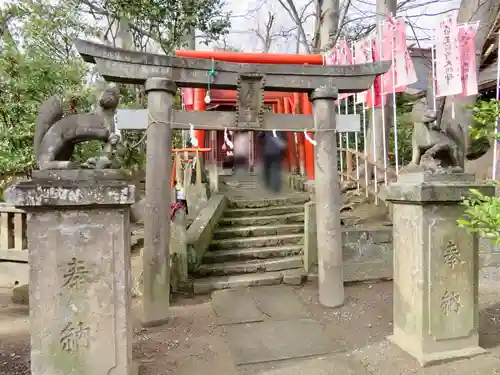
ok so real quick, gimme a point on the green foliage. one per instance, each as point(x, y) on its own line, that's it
point(405, 131)
point(404, 106)
point(167, 22)
point(27, 79)
point(484, 114)
point(49, 27)
point(38, 60)
point(482, 215)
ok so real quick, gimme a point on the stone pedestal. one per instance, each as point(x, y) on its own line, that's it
point(435, 267)
point(80, 283)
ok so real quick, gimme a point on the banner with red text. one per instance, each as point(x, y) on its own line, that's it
point(362, 55)
point(395, 50)
point(467, 37)
point(405, 68)
point(345, 58)
point(388, 31)
point(374, 97)
point(448, 65)
point(332, 57)
point(411, 74)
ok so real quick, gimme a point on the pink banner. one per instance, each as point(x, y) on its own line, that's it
point(188, 97)
point(362, 55)
point(399, 54)
point(394, 49)
point(388, 43)
point(405, 69)
point(344, 58)
point(448, 67)
point(467, 36)
point(411, 74)
point(374, 97)
point(332, 58)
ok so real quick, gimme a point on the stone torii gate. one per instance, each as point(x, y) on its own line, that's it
point(163, 74)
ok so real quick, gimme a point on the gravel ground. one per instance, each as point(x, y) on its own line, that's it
point(192, 343)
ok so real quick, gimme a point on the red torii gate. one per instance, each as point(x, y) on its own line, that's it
point(281, 102)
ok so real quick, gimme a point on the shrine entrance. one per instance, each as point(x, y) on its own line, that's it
point(162, 75)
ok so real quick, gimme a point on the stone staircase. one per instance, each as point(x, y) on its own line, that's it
point(256, 243)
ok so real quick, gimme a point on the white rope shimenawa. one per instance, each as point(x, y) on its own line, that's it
point(309, 139)
point(194, 140)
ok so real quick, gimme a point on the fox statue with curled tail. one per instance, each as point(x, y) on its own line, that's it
point(56, 135)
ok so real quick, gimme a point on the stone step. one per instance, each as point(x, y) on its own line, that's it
point(247, 254)
point(282, 201)
point(253, 242)
point(250, 266)
point(258, 231)
point(263, 220)
point(262, 211)
point(206, 285)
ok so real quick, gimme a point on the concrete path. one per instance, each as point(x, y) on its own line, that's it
point(282, 330)
point(266, 324)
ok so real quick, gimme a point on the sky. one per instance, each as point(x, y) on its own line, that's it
point(251, 15)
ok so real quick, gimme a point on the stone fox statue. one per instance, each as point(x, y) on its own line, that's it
point(433, 147)
point(56, 135)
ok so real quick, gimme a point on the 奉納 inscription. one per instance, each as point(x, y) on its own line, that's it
point(74, 336)
point(76, 274)
point(451, 254)
point(450, 302)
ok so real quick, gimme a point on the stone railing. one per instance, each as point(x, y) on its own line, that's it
point(194, 192)
point(13, 242)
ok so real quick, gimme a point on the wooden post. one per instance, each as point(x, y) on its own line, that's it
point(330, 267)
point(308, 147)
point(156, 262)
point(349, 166)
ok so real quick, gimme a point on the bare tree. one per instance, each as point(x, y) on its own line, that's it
point(299, 18)
point(267, 34)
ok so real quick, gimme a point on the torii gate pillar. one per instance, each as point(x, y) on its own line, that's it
point(330, 268)
point(156, 259)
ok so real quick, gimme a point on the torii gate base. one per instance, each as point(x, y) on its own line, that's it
point(161, 74)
